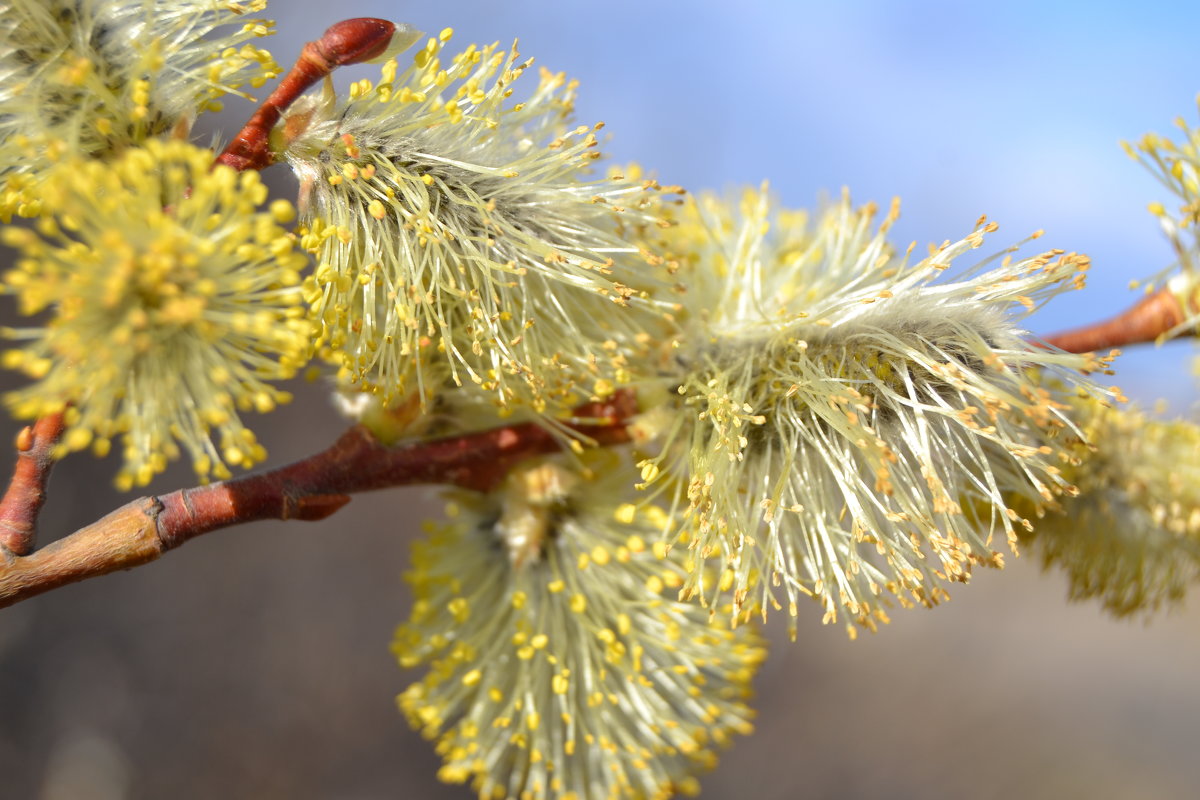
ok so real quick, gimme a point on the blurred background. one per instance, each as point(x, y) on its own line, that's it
point(254, 662)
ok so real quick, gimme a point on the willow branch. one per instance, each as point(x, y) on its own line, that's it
point(27, 490)
point(310, 489)
point(348, 42)
point(1149, 319)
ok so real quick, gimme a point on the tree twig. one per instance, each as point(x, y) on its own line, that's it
point(27, 490)
point(310, 489)
point(1146, 321)
point(348, 42)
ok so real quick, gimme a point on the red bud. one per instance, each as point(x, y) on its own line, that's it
point(353, 41)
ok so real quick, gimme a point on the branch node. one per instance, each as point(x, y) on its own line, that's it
point(315, 507)
point(310, 489)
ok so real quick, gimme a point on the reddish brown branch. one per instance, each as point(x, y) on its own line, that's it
point(1146, 321)
point(27, 490)
point(348, 42)
point(310, 489)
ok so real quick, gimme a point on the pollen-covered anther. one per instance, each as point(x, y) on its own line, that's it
point(477, 218)
point(1123, 529)
point(165, 320)
point(572, 669)
point(896, 406)
point(94, 81)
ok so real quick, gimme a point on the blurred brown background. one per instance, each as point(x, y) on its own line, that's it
point(253, 662)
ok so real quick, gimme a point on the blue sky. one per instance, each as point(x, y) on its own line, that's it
point(1013, 110)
